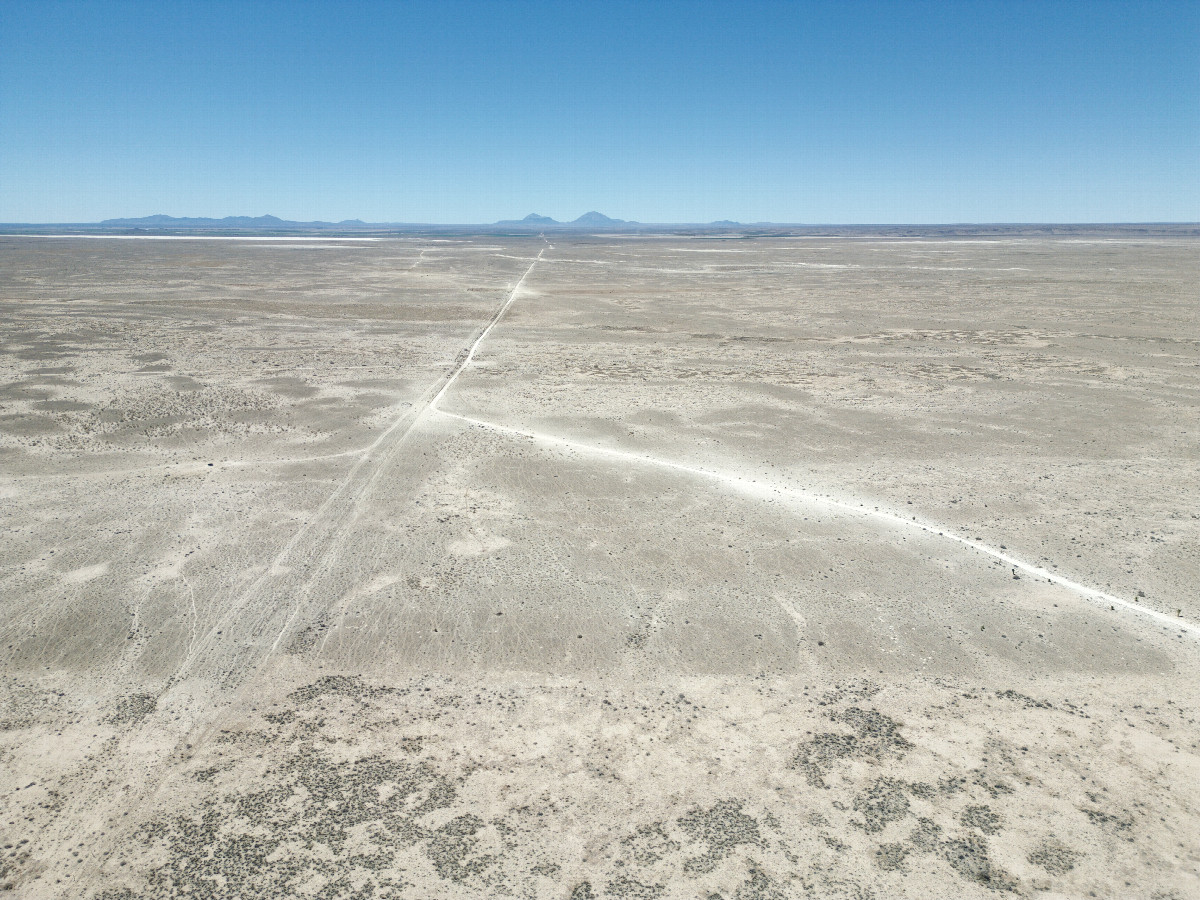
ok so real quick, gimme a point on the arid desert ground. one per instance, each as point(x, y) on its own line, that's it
point(600, 566)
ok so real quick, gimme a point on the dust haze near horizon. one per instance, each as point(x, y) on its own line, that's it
point(662, 112)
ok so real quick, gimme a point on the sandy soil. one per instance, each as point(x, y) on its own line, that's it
point(600, 567)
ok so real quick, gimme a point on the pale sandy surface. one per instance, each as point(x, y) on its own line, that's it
point(609, 619)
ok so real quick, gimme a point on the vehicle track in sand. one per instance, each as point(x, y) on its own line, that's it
point(773, 491)
point(313, 549)
point(334, 552)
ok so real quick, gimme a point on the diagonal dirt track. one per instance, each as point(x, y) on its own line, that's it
point(767, 491)
point(273, 602)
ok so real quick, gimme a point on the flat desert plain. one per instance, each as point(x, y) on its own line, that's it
point(582, 567)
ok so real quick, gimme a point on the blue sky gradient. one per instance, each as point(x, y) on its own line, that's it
point(659, 112)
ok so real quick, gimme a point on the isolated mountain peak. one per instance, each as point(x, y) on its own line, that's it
point(596, 218)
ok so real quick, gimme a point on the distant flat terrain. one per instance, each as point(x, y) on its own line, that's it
point(601, 566)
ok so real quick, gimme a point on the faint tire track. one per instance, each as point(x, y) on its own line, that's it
point(765, 490)
point(314, 549)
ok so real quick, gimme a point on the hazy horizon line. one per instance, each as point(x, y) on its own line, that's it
point(217, 221)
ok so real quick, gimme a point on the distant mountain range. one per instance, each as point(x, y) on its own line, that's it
point(161, 221)
point(591, 219)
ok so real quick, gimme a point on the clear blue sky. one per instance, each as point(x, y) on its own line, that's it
point(656, 111)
